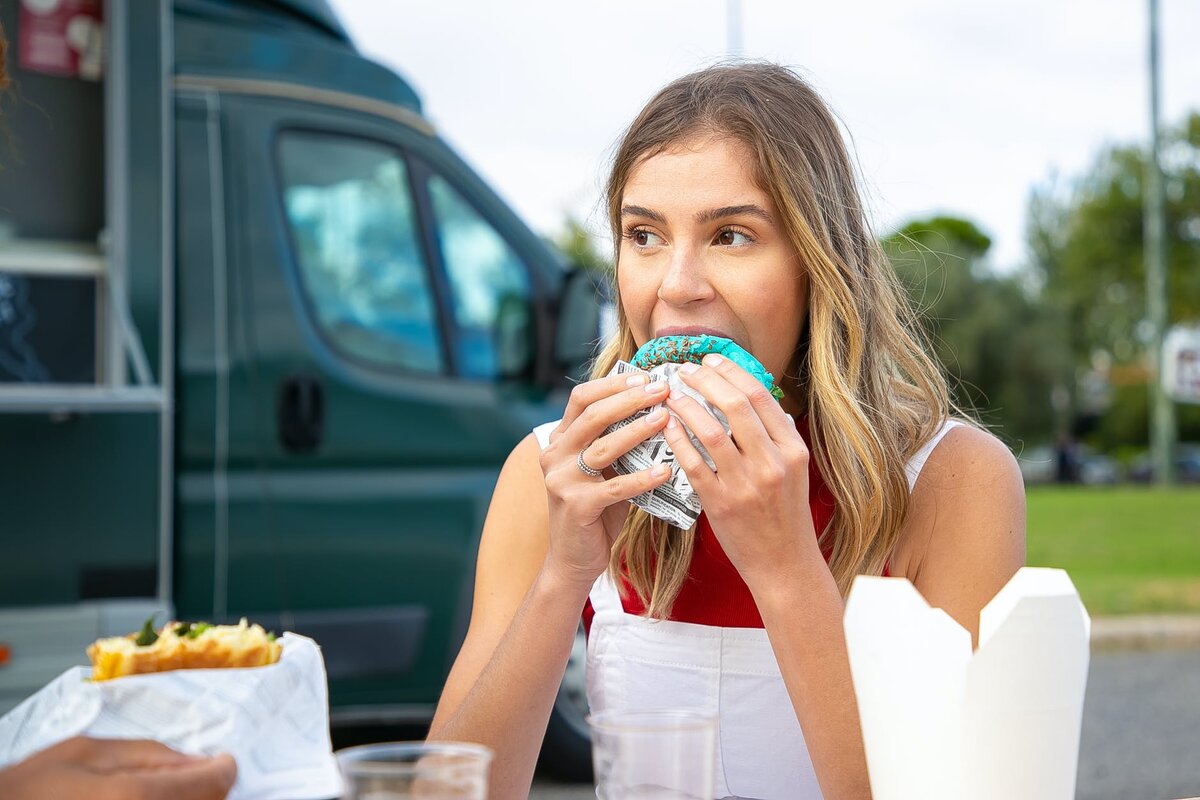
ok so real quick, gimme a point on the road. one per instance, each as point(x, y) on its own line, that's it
point(1141, 721)
point(1141, 724)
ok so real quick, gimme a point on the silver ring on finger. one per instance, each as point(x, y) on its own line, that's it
point(584, 468)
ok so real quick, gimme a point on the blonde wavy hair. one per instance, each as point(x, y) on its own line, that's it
point(861, 367)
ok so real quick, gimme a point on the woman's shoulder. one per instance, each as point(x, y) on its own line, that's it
point(963, 451)
point(968, 482)
point(959, 461)
point(516, 530)
point(521, 477)
point(522, 469)
point(964, 534)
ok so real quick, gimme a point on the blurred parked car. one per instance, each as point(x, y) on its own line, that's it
point(1187, 466)
point(1041, 465)
point(1038, 465)
point(1097, 468)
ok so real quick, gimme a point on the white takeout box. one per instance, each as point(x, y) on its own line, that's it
point(273, 719)
point(941, 723)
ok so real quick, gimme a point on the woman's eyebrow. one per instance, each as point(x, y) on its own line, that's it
point(642, 211)
point(748, 210)
point(704, 217)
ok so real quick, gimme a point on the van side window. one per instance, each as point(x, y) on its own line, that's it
point(490, 287)
point(355, 229)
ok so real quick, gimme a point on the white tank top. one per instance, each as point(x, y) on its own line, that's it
point(634, 662)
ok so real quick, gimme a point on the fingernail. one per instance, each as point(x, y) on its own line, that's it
point(671, 423)
point(689, 368)
point(660, 470)
point(655, 386)
point(712, 360)
point(635, 379)
point(654, 417)
point(676, 394)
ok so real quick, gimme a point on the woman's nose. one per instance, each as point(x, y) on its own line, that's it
point(686, 279)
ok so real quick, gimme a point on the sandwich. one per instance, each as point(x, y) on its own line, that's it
point(183, 645)
point(682, 349)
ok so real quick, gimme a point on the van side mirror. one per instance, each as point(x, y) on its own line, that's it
point(578, 332)
point(515, 343)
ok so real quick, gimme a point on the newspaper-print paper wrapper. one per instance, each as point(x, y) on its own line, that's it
point(273, 719)
point(941, 723)
point(674, 501)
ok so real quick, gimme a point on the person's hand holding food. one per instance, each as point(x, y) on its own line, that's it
point(587, 506)
point(117, 769)
point(760, 482)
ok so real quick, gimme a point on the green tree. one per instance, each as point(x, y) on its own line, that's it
point(579, 247)
point(1086, 242)
point(989, 331)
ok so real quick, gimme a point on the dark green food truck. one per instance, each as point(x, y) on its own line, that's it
point(265, 341)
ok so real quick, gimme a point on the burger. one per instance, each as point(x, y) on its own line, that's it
point(683, 349)
point(183, 645)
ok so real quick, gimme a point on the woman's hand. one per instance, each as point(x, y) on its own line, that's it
point(586, 512)
point(757, 499)
point(117, 769)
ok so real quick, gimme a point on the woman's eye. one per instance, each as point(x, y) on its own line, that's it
point(732, 238)
point(643, 238)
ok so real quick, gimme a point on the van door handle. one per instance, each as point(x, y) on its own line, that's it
point(301, 413)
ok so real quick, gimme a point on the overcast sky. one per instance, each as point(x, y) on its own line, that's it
point(954, 107)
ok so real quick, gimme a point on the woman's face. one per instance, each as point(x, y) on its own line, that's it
point(702, 252)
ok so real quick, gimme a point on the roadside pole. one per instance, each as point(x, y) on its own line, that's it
point(1162, 412)
point(733, 28)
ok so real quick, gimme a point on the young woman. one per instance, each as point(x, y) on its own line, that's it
point(733, 204)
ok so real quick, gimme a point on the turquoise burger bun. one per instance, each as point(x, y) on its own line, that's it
point(680, 349)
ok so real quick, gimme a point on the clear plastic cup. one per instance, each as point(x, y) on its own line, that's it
point(654, 755)
point(402, 770)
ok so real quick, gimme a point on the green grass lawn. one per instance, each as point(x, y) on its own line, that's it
point(1129, 550)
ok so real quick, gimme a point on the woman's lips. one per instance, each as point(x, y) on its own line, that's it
point(690, 330)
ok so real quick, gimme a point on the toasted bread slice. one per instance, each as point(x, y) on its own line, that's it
point(180, 646)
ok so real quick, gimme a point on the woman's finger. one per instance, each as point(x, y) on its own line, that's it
point(584, 394)
point(591, 422)
point(698, 473)
point(207, 779)
point(601, 453)
point(774, 419)
point(594, 497)
point(707, 430)
point(749, 435)
point(111, 755)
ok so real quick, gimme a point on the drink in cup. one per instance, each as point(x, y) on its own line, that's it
point(654, 755)
point(404, 770)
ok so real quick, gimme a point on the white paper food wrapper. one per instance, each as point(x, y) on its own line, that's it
point(273, 719)
point(674, 501)
point(941, 723)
